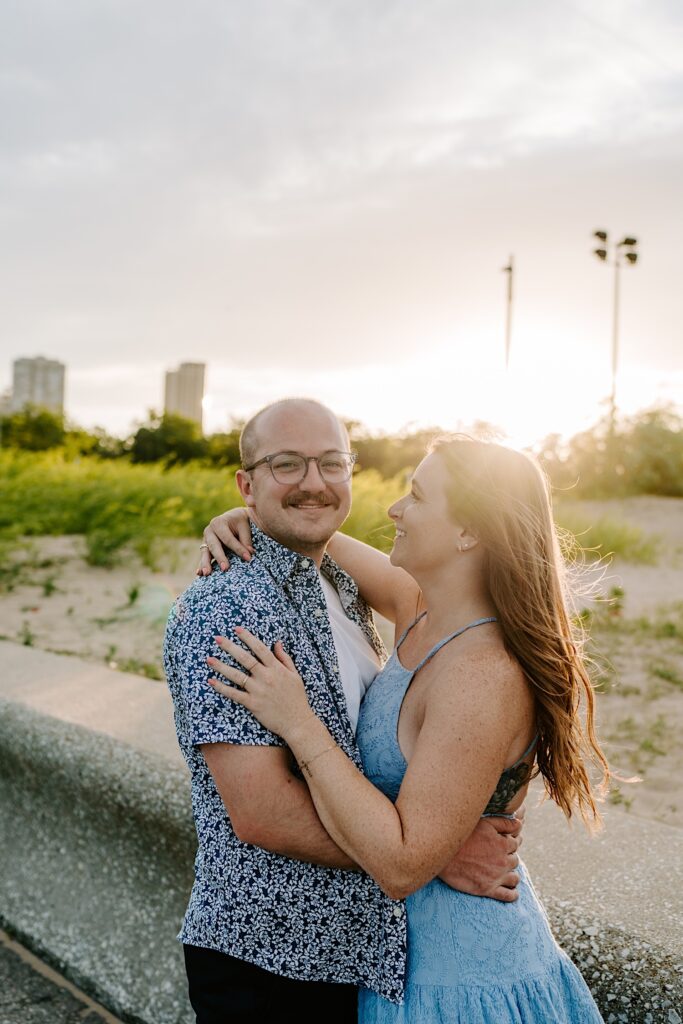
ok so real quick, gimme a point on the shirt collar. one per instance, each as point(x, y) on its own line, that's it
point(281, 562)
point(344, 584)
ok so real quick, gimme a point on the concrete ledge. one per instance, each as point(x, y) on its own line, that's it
point(615, 903)
point(97, 842)
point(96, 835)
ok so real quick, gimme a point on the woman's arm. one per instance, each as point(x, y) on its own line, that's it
point(387, 589)
point(390, 591)
point(457, 762)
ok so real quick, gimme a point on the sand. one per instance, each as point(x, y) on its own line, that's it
point(52, 599)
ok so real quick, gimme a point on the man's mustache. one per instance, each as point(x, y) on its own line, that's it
point(302, 498)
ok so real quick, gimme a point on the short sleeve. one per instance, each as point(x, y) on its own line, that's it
point(208, 717)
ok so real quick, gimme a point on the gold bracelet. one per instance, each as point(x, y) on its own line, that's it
point(303, 765)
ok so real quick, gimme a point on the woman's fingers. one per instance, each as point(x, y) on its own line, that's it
point(238, 654)
point(281, 655)
point(238, 696)
point(239, 523)
point(216, 547)
point(204, 568)
point(211, 550)
point(232, 531)
point(235, 675)
point(262, 653)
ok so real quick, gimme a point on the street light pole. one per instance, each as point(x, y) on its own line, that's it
point(621, 250)
point(615, 346)
point(510, 271)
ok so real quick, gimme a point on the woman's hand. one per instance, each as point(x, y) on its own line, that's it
point(270, 686)
point(229, 532)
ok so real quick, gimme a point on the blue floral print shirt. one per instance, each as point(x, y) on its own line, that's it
point(287, 916)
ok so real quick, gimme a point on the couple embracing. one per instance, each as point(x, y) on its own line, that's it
point(358, 818)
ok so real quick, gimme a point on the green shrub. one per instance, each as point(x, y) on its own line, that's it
point(643, 455)
point(115, 503)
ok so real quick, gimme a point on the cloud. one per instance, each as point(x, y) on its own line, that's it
point(285, 97)
point(329, 181)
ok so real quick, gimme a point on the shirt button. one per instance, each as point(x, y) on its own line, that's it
point(305, 563)
point(398, 911)
point(318, 613)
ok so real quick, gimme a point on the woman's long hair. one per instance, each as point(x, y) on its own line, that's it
point(503, 498)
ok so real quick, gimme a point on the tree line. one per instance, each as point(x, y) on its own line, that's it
point(643, 454)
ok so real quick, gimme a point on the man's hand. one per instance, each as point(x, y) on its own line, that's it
point(486, 864)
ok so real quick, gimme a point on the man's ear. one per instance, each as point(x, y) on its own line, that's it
point(246, 489)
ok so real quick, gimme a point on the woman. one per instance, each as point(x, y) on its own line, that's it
point(483, 683)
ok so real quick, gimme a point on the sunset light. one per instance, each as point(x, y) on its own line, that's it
point(281, 677)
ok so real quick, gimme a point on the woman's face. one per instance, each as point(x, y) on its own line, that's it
point(426, 535)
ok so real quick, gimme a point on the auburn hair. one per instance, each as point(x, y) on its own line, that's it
point(503, 497)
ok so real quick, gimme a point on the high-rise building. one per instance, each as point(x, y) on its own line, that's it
point(184, 391)
point(38, 382)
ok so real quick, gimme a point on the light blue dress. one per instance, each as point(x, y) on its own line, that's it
point(470, 960)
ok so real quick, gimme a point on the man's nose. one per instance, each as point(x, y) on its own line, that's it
point(312, 480)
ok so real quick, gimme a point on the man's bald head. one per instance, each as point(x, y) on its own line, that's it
point(286, 410)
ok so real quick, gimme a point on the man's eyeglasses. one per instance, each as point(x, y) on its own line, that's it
point(291, 468)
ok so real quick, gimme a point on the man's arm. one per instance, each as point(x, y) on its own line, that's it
point(486, 864)
point(268, 806)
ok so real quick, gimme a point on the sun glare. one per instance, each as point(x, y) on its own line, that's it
point(452, 388)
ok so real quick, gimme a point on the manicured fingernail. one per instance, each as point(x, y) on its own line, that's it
point(219, 639)
point(239, 629)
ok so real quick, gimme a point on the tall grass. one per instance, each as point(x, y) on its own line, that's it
point(111, 503)
point(114, 503)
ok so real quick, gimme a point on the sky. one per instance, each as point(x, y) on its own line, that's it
point(318, 198)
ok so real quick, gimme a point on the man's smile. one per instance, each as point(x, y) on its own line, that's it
point(310, 503)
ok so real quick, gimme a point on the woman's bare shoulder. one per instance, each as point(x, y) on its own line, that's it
point(479, 700)
point(483, 671)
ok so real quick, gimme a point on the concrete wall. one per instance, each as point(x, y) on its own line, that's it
point(96, 833)
point(96, 846)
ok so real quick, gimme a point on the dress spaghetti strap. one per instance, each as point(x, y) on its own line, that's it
point(524, 755)
point(407, 630)
point(447, 639)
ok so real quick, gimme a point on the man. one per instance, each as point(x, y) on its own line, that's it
point(281, 925)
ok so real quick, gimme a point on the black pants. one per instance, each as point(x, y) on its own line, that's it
point(225, 990)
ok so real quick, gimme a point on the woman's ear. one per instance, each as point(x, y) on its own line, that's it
point(466, 540)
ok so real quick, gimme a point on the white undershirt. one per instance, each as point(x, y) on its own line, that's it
point(358, 663)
